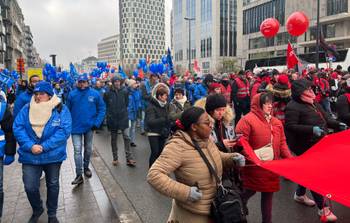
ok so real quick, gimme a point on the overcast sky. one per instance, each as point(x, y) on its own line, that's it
point(72, 28)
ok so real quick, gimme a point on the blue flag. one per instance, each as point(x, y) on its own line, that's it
point(121, 72)
point(170, 64)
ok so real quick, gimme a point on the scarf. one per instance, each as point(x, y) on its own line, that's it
point(308, 97)
point(182, 101)
point(162, 104)
point(40, 113)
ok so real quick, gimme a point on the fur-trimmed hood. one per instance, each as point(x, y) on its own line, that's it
point(155, 88)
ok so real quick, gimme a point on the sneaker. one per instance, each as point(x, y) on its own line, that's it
point(115, 162)
point(87, 173)
point(132, 144)
point(78, 180)
point(35, 216)
point(327, 215)
point(304, 200)
point(143, 133)
point(53, 220)
point(131, 163)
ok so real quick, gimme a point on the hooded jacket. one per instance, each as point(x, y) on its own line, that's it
point(301, 117)
point(87, 109)
point(258, 132)
point(157, 121)
point(134, 103)
point(21, 101)
point(181, 158)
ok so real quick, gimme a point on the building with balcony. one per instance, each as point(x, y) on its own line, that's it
point(13, 21)
point(29, 47)
point(213, 33)
point(334, 20)
point(108, 50)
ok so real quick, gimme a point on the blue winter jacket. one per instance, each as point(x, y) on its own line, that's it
point(134, 103)
point(54, 138)
point(21, 101)
point(87, 109)
point(200, 91)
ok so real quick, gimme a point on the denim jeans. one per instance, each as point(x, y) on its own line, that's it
point(143, 115)
point(1, 185)
point(114, 144)
point(1, 175)
point(132, 130)
point(326, 105)
point(31, 180)
point(78, 147)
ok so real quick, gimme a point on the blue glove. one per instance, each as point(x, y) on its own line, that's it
point(342, 126)
point(317, 131)
point(8, 160)
point(239, 159)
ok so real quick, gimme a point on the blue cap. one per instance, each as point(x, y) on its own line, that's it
point(44, 86)
point(83, 77)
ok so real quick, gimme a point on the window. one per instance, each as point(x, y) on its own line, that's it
point(336, 6)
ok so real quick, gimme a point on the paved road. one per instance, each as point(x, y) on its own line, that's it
point(87, 203)
point(152, 207)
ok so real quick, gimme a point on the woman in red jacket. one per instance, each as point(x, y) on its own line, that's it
point(262, 130)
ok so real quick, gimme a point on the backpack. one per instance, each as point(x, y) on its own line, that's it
point(227, 206)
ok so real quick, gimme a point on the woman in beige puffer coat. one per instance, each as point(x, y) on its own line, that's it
point(194, 188)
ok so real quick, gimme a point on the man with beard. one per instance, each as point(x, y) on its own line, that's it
point(25, 97)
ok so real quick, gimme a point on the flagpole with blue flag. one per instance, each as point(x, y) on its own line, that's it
point(170, 64)
point(121, 72)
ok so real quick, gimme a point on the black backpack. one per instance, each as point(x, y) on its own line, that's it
point(227, 206)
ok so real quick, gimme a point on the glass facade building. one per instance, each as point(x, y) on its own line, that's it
point(142, 30)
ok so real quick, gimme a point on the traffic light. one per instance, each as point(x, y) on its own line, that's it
point(20, 65)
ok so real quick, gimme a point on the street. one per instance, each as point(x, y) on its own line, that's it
point(153, 207)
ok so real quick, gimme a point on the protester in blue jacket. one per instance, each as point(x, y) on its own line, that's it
point(42, 129)
point(133, 108)
point(24, 98)
point(201, 89)
point(88, 111)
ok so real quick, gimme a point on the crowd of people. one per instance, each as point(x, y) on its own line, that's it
point(284, 113)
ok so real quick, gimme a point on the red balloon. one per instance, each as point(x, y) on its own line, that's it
point(297, 23)
point(269, 27)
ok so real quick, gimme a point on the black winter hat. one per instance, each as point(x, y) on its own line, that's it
point(299, 86)
point(208, 78)
point(215, 101)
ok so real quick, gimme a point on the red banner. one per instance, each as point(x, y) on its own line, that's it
point(324, 168)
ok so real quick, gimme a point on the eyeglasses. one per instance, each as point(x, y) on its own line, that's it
point(208, 123)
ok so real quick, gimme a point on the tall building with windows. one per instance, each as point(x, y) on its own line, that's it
point(142, 31)
point(108, 49)
point(213, 33)
point(334, 20)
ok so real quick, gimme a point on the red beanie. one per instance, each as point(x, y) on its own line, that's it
point(284, 80)
point(213, 86)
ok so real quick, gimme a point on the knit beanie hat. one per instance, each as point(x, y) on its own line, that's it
point(299, 86)
point(215, 101)
point(213, 86)
point(44, 86)
point(131, 82)
point(283, 82)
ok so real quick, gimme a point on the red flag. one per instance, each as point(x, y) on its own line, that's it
point(324, 168)
point(292, 59)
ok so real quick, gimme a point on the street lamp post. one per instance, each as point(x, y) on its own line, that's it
point(189, 41)
point(318, 35)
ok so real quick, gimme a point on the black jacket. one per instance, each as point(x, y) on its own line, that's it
point(117, 109)
point(300, 118)
point(157, 119)
point(343, 109)
point(6, 125)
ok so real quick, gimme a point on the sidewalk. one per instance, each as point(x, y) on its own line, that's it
point(84, 204)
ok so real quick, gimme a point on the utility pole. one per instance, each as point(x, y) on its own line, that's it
point(53, 56)
point(318, 35)
point(189, 41)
